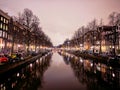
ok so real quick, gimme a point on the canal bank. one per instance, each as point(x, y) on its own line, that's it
point(115, 62)
point(7, 69)
point(28, 77)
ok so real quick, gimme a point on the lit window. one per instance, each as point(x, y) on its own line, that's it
point(0, 33)
point(4, 20)
point(6, 27)
point(1, 18)
point(3, 27)
point(3, 34)
point(6, 35)
point(0, 25)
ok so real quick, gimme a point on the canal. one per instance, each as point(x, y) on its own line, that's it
point(63, 71)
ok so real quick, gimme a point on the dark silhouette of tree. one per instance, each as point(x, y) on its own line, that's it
point(111, 18)
point(34, 33)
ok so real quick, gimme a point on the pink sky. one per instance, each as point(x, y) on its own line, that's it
point(60, 18)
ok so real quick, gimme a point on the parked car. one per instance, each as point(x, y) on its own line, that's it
point(15, 57)
point(103, 55)
point(3, 59)
point(90, 52)
point(33, 53)
point(96, 54)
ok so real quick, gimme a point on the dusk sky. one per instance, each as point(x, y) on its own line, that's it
point(59, 19)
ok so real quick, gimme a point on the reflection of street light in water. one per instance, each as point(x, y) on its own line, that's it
point(81, 60)
point(36, 61)
point(31, 65)
point(18, 74)
point(113, 74)
point(91, 64)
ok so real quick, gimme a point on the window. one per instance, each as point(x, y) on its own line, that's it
point(1, 18)
point(0, 25)
point(3, 27)
point(4, 20)
point(6, 27)
point(9, 37)
point(4, 34)
point(14, 28)
point(0, 33)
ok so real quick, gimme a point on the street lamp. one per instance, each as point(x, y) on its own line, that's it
point(81, 47)
point(68, 45)
point(98, 47)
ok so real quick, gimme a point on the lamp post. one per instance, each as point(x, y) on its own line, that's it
point(81, 47)
point(68, 45)
point(98, 47)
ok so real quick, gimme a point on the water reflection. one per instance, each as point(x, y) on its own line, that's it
point(95, 75)
point(65, 73)
point(28, 78)
point(60, 76)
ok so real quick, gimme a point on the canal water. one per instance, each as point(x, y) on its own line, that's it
point(63, 71)
point(60, 76)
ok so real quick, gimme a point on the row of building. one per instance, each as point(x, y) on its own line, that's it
point(15, 36)
point(105, 39)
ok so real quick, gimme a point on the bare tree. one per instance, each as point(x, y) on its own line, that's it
point(101, 22)
point(31, 21)
point(27, 17)
point(112, 19)
point(99, 31)
point(92, 25)
point(79, 33)
point(117, 19)
point(33, 33)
